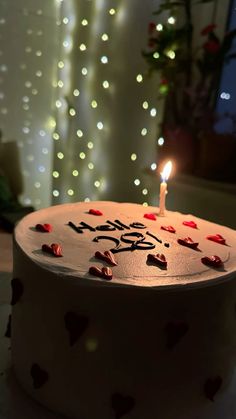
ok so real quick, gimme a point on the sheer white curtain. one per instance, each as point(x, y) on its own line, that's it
point(73, 95)
point(29, 41)
point(107, 111)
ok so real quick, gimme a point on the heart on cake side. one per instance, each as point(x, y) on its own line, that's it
point(17, 290)
point(212, 386)
point(121, 404)
point(75, 324)
point(175, 331)
point(8, 329)
point(40, 376)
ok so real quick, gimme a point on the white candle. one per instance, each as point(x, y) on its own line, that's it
point(163, 187)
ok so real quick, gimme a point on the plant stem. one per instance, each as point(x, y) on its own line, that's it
point(188, 70)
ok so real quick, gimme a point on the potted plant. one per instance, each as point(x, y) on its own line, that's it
point(189, 76)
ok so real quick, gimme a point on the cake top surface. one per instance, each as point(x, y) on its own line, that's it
point(130, 232)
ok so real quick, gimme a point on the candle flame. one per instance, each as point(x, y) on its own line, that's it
point(166, 171)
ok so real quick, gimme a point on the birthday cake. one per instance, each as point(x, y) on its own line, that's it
point(120, 313)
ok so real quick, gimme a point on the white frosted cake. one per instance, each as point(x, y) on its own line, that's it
point(120, 313)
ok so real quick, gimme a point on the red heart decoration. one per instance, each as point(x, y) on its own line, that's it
point(8, 330)
point(105, 272)
point(188, 242)
point(168, 228)
point(39, 376)
point(214, 261)
point(190, 224)
point(76, 324)
point(107, 256)
point(54, 249)
point(158, 259)
point(150, 216)
point(216, 238)
point(212, 386)
point(45, 228)
point(17, 290)
point(95, 212)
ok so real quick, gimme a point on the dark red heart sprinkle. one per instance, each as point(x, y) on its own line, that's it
point(168, 228)
point(54, 249)
point(105, 272)
point(214, 261)
point(95, 212)
point(212, 386)
point(188, 242)
point(217, 238)
point(76, 324)
point(121, 404)
point(40, 377)
point(8, 330)
point(175, 330)
point(45, 228)
point(17, 290)
point(190, 224)
point(158, 259)
point(150, 216)
point(107, 256)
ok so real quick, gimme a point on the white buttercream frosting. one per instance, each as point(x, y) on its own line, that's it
point(184, 265)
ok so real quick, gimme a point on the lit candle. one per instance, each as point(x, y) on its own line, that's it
point(163, 187)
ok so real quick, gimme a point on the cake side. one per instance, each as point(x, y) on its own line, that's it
point(127, 347)
point(75, 348)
